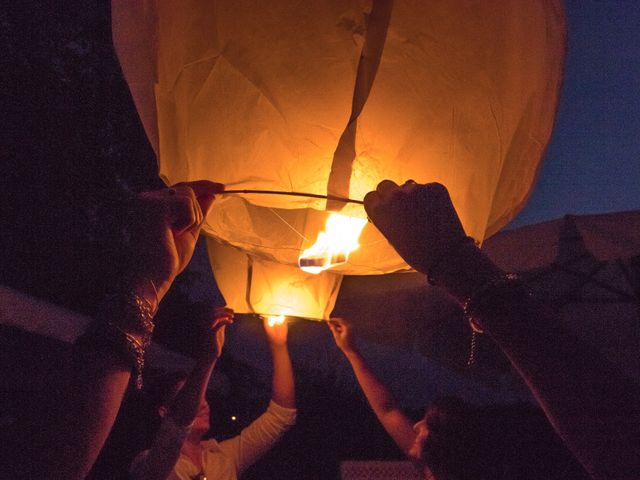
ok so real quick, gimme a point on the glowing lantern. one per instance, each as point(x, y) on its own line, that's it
point(330, 98)
point(334, 244)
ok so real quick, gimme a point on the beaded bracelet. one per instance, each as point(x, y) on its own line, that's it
point(510, 280)
point(492, 290)
point(131, 336)
point(127, 345)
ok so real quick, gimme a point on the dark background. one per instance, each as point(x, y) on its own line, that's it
point(72, 151)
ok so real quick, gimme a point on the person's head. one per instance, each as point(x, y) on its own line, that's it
point(162, 393)
point(441, 438)
point(458, 441)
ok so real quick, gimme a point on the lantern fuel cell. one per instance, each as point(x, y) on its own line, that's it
point(336, 259)
point(275, 320)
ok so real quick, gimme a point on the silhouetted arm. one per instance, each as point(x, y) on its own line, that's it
point(592, 406)
point(164, 236)
point(160, 459)
point(384, 405)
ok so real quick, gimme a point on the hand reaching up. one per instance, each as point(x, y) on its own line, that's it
point(342, 334)
point(276, 332)
point(213, 332)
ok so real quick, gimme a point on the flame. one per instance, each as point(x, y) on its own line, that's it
point(275, 320)
point(333, 245)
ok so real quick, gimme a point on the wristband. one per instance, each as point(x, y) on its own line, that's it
point(506, 287)
point(125, 326)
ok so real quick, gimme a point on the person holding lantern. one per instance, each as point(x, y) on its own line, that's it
point(594, 409)
point(162, 228)
point(458, 440)
point(178, 451)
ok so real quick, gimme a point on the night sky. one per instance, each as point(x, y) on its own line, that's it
point(593, 161)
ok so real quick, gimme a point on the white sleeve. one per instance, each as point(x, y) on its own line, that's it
point(256, 439)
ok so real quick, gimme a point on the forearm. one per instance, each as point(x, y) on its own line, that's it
point(96, 393)
point(382, 402)
point(158, 462)
point(588, 402)
point(377, 394)
point(283, 386)
point(103, 359)
point(185, 406)
point(166, 446)
point(593, 408)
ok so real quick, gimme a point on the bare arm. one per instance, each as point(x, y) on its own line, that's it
point(282, 386)
point(164, 237)
point(255, 440)
point(590, 404)
point(164, 452)
point(96, 394)
point(594, 408)
point(392, 418)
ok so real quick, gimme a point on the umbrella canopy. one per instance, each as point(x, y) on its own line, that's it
point(587, 267)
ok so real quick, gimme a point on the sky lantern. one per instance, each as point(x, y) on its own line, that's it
point(302, 107)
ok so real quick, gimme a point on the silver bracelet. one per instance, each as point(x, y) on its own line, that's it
point(492, 291)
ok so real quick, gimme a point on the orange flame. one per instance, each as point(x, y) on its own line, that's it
point(333, 245)
point(275, 320)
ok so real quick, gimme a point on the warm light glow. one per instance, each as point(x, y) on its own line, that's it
point(275, 320)
point(233, 418)
point(333, 245)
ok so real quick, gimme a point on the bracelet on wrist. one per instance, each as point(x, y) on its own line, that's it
point(127, 346)
point(505, 288)
point(130, 311)
point(125, 325)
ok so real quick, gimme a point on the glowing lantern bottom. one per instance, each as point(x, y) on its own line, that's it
point(250, 284)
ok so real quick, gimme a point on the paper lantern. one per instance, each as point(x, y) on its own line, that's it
point(330, 98)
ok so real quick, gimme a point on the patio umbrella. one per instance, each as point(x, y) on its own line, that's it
point(587, 267)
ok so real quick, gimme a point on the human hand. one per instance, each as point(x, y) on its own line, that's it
point(342, 334)
point(418, 220)
point(165, 227)
point(212, 335)
point(276, 332)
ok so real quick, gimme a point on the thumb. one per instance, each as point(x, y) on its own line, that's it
point(205, 192)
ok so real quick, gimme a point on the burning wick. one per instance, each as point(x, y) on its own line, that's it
point(333, 245)
point(275, 320)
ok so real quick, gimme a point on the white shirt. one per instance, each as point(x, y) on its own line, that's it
point(225, 460)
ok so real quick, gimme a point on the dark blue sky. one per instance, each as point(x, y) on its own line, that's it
point(593, 161)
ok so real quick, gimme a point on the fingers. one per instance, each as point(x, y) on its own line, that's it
point(333, 326)
point(222, 312)
point(190, 202)
point(184, 210)
point(337, 326)
point(220, 323)
point(337, 321)
point(205, 192)
point(381, 195)
point(386, 188)
point(222, 316)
